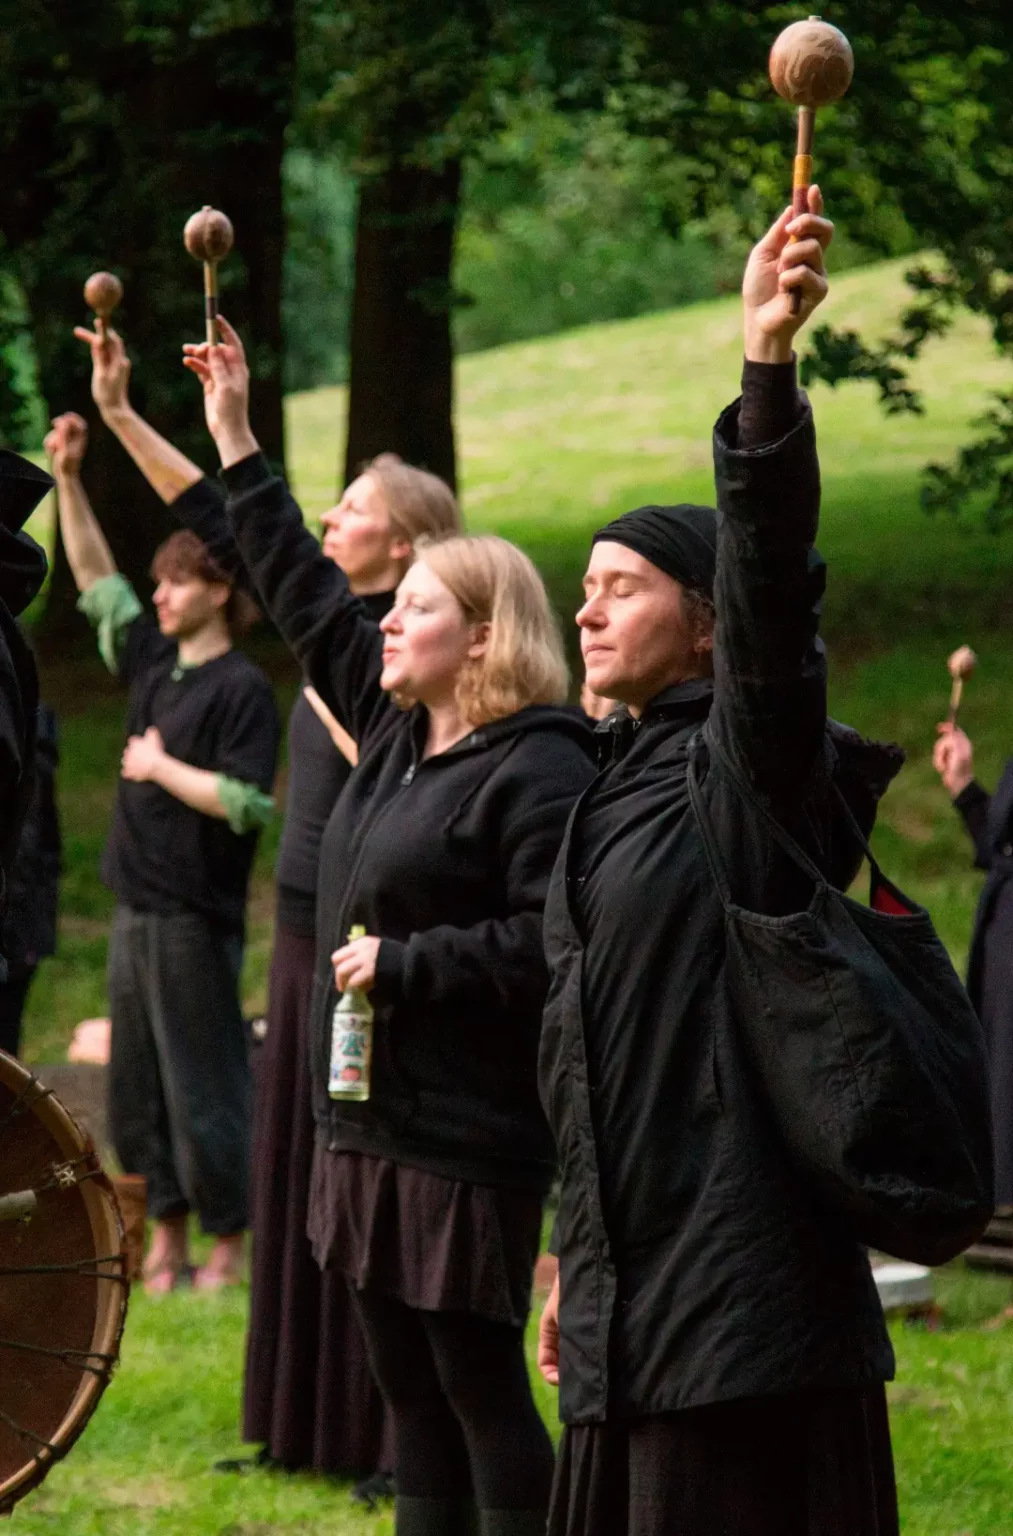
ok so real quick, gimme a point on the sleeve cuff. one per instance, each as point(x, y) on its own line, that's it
point(110, 605)
point(246, 475)
point(196, 497)
point(388, 986)
point(973, 794)
point(246, 807)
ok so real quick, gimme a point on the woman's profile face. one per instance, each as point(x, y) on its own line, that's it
point(427, 640)
point(358, 534)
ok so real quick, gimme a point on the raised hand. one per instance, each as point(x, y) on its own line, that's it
point(66, 444)
point(225, 380)
point(778, 265)
point(110, 368)
point(953, 758)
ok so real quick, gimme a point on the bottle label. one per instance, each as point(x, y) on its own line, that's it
point(351, 1041)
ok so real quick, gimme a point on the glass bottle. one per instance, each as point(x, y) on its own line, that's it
point(351, 1041)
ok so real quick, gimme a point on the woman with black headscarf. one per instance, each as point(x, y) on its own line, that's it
point(718, 1342)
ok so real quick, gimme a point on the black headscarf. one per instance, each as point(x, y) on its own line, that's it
point(682, 541)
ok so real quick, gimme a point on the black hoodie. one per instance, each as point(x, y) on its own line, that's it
point(22, 572)
point(446, 858)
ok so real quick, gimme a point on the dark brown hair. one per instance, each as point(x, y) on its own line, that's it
point(185, 557)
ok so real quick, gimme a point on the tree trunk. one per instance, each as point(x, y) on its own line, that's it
point(201, 122)
point(401, 389)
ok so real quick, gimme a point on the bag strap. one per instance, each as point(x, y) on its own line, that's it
point(703, 822)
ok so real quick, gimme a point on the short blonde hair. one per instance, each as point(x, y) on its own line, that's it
point(496, 584)
point(419, 504)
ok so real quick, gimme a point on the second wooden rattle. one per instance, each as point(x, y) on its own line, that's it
point(208, 237)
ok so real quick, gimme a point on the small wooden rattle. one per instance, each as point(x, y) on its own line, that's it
point(811, 65)
point(102, 292)
point(208, 237)
point(961, 664)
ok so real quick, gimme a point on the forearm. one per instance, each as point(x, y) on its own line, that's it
point(196, 787)
point(88, 553)
point(168, 471)
point(972, 802)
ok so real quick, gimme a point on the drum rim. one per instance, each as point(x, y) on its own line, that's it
point(113, 1292)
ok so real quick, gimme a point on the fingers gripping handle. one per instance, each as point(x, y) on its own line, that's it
point(802, 180)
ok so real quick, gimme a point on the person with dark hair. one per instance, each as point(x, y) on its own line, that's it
point(194, 792)
point(309, 1397)
point(715, 1333)
point(29, 923)
point(23, 569)
point(988, 819)
point(427, 1195)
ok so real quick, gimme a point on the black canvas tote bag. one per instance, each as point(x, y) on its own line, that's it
point(866, 1048)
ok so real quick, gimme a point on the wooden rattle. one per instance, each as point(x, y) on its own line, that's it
point(102, 292)
point(811, 65)
point(961, 664)
point(208, 237)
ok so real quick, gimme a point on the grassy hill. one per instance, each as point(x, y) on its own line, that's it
point(558, 435)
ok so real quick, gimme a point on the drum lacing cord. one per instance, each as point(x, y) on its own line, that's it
point(82, 1359)
point(25, 1098)
point(56, 1452)
point(86, 1267)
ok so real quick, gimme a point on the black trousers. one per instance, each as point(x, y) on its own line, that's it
point(465, 1424)
point(13, 996)
point(179, 1075)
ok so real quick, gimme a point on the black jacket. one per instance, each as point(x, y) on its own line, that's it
point(989, 820)
point(22, 571)
point(29, 931)
point(693, 1267)
point(448, 859)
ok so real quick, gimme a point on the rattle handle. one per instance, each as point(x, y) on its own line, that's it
point(211, 303)
point(956, 691)
point(801, 180)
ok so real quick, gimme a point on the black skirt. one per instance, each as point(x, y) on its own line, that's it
point(309, 1396)
point(442, 1245)
point(809, 1464)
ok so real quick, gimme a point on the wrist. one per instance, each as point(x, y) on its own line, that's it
point(957, 783)
point(235, 444)
point(67, 476)
point(762, 347)
point(116, 416)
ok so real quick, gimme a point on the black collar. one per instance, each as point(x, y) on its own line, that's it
point(686, 703)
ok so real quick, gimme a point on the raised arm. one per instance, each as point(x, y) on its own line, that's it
point(88, 553)
point(337, 644)
point(769, 668)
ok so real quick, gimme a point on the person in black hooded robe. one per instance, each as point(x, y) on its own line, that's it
point(718, 1341)
point(23, 569)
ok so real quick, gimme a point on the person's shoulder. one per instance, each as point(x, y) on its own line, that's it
point(553, 743)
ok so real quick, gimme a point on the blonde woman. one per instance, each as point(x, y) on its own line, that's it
point(428, 1197)
point(309, 1398)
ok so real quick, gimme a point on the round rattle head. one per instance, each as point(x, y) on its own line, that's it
point(207, 235)
point(811, 63)
point(963, 662)
point(102, 292)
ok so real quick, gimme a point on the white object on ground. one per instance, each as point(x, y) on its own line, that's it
point(903, 1285)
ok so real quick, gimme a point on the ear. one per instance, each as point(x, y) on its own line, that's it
point(220, 593)
point(479, 639)
point(704, 643)
point(400, 548)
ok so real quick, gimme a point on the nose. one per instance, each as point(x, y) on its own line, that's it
point(390, 624)
point(331, 517)
point(589, 615)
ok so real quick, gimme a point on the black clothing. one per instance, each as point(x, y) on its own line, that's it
point(681, 541)
point(447, 858)
point(317, 773)
point(23, 569)
point(179, 1078)
point(693, 1267)
point(989, 820)
point(466, 1423)
point(29, 927)
point(308, 1393)
point(809, 1464)
point(161, 855)
point(13, 998)
point(437, 1244)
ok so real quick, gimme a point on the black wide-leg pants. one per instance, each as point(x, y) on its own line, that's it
point(179, 1075)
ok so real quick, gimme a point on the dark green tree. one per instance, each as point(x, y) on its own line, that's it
point(117, 119)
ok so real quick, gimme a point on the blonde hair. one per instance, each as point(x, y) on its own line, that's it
point(496, 584)
point(419, 504)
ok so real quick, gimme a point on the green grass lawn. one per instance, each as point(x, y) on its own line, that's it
point(143, 1467)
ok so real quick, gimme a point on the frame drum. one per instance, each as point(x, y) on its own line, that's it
point(63, 1281)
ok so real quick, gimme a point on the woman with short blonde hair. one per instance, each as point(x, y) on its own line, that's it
point(428, 1196)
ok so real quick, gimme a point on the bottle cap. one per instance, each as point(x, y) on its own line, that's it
point(357, 931)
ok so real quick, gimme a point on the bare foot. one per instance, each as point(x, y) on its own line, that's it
point(225, 1266)
point(167, 1255)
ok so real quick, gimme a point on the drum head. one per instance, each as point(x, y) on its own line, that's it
point(63, 1285)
